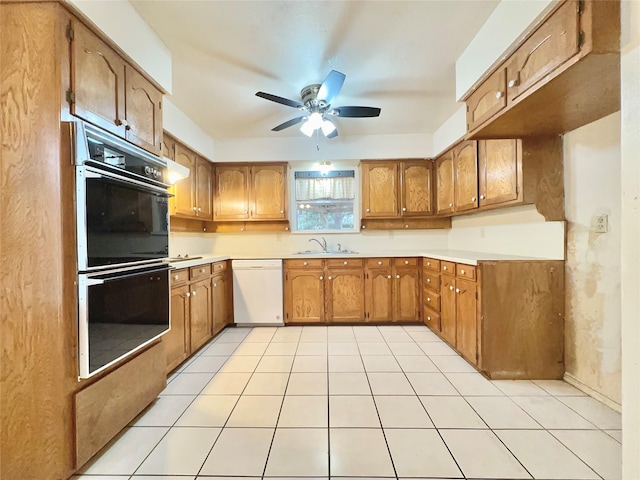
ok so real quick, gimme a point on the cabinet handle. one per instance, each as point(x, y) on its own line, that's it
point(345, 263)
point(428, 299)
point(451, 287)
point(188, 294)
point(215, 285)
point(444, 268)
point(388, 276)
point(281, 212)
point(499, 94)
point(330, 278)
point(428, 264)
point(462, 271)
point(364, 226)
point(199, 209)
point(481, 197)
point(176, 277)
point(429, 317)
point(246, 212)
point(397, 276)
point(379, 263)
point(473, 199)
point(286, 229)
point(321, 277)
point(406, 226)
point(202, 270)
point(305, 263)
point(194, 209)
point(242, 229)
point(406, 262)
point(404, 209)
point(513, 83)
point(451, 204)
point(193, 293)
point(428, 280)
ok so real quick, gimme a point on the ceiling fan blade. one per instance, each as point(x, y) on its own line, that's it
point(288, 124)
point(355, 112)
point(281, 100)
point(333, 134)
point(331, 86)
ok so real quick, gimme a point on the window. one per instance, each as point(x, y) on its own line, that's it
point(325, 201)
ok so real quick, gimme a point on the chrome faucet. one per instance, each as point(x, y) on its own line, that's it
point(323, 244)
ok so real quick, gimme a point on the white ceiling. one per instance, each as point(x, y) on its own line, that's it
point(396, 55)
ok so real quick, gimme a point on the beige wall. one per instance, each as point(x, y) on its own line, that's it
point(593, 275)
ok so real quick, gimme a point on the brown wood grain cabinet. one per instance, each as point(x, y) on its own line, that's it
point(465, 167)
point(201, 313)
point(416, 188)
point(344, 294)
point(379, 297)
point(177, 342)
point(445, 181)
point(406, 292)
point(304, 293)
point(221, 302)
point(431, 293)
point(545, 84)
point(107, 91)
point(499, 172)
point(250, 192)
point(448, 308)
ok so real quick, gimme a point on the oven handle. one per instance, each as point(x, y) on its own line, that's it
point(100, 281)
point(95, 173)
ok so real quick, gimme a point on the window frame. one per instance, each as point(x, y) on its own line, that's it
point(357, 214)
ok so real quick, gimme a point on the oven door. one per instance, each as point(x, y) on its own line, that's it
point(120, 311)
point(120, 220)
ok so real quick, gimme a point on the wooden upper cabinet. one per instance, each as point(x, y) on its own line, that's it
point(232, 193)
point(416, 191)
point(168, 146)
point(143, 104)
point(184, 201)
point(97, 81)
point(268, 192)
point(546, 49)
point(499, 172)
point(345, 295)
point(204, 190)
point(106, 91)
point(380, 184)
point(465, 166)
point(487, 100)
point(444, 184)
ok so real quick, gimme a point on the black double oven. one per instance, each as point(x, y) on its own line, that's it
point(122, 226)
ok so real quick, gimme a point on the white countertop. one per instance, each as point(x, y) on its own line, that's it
point(458, 256)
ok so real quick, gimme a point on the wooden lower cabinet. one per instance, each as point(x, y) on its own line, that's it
point(344, 295)
point(221, 304)
point(201, 313)
point(504, 317)
point(176, 341)
point(407, 294)
point(304, 295)
point(379, 295)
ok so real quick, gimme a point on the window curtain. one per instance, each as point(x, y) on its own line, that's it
point(340, 188)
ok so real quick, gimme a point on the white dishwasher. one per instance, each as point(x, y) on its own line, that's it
point(257, 292)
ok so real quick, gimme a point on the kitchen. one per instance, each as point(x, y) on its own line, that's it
point(49, 277)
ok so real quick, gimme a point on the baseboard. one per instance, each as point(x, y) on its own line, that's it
point(570, 379)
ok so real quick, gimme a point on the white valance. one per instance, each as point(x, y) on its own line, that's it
point(336, 188)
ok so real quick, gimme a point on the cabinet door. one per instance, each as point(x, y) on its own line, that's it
point(379, 189)
point(545, 50)
point(184, 201)
point(220, 305)
point(407, 294)
point(204, 192)
point(465, 165)
point(200, 313)
point(500, 172)
point(379, 295)
point(345, 295)
point(304, 296)
point(97, 81)
point(466, 319)
point(444, 184)
point(176, 341)
point(168, 147)
point(232, 193)
point(487, 100)
point(143, 103)
point(268, 192)
point(448, 309)
point(417, 192)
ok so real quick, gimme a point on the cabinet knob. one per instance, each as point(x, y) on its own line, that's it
point(242, 229)
point(397, 276)
point(457, 290)
point(429, 317)
point(281, 212)
point(194, 209)
point(379, 263)
point(513, 83)
point(406, 262)
point(321, 277)
point(428, 264)
point(473, 199)
point(215, 285)
point(286, 229)
point(404, 209)
point(202, 270)
point(368, 210)
point(188, 294)
point(246, 211)
point(199, 209)
point(444, 268)
point(406, 226)
point(462, 271)
point(388, 276)
point(193, 293)
point(330, 277)
point(428, 299)
point(451, 287)
point(364, 226)
point(176, 277)
point(451, 204)
point(305, 263)
point(499, 94)
point(428, 280)
point(481, 197)
point(345, 263)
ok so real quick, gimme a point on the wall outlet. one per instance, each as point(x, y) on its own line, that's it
point(600, 223)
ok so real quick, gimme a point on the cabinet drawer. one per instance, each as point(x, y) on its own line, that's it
point(304, 262)
point(345, 262)
point(432, 300)
point(179, 276)
point(431, 281)
point(432, 319)
point(378, 262)
point(405, 262)
point(487, 100)
point(219, 267)
point(431, 264)
point(200, 271)
point(466, 271)
point(448, 267)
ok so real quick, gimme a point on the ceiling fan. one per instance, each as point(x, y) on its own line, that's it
point(316, 105)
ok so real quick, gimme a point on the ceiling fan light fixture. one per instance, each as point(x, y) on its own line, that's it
point(328, 127)
point(307, 128)
point(316, 120)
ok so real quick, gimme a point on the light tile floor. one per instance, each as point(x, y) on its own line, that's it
point(355, 402)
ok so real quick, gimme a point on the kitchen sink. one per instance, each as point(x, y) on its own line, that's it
point(328, 252)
